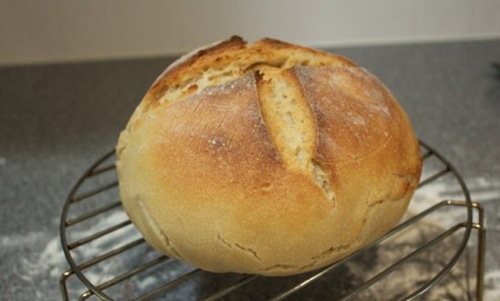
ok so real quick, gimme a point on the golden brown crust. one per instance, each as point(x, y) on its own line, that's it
point(269, 158)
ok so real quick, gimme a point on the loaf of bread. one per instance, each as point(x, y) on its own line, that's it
point(269, 158)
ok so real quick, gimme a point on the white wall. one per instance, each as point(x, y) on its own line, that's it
point(35, 31)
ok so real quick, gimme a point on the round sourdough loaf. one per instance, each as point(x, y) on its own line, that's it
point(270, 158)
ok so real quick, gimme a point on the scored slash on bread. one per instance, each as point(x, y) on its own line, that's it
point(270, 158)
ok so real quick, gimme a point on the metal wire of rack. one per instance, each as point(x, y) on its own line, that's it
point(78, 212)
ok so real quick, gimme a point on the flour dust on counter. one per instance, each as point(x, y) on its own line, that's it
point(40, 262)
point(484, 190)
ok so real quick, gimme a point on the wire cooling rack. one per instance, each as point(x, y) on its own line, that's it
point(112, 261)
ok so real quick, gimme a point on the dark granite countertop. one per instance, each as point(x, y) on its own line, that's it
point(55, 120)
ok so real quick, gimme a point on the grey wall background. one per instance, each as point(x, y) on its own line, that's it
point(33, 31)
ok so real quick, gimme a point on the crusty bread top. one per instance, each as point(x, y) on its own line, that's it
point(268, 158)
point(230, 59)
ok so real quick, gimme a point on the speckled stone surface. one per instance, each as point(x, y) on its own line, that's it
point(55, 120)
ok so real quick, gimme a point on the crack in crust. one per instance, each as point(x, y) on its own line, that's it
point(314, 259)
point(323, 181)
point(280, 267)
point(330, 251)
point(153, 224)
point(289, 119)
point(247, 250)
point(406, 180)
